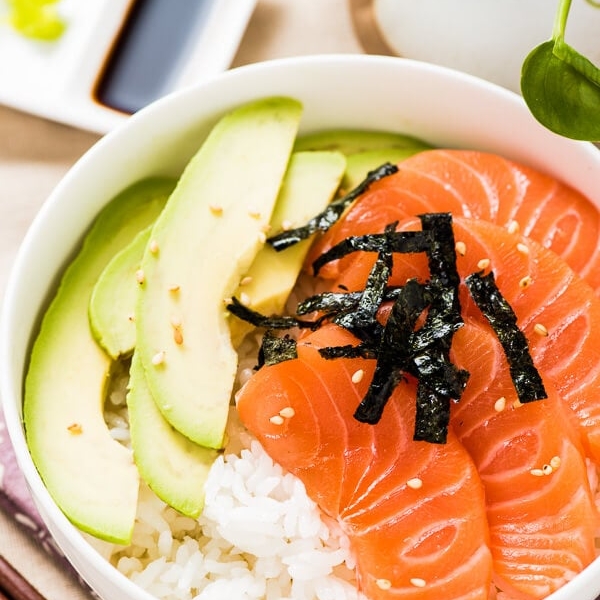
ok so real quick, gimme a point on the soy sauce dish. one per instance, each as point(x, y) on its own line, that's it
point(438, 106)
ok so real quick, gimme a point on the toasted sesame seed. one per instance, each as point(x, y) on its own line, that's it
point(287, 413)
point(513, 227)
point(525, 281)
point(461, 248)
point(75, 428)
point(174, 288)
point(246, 280)
point(418, 582)
point(158, 358)
point(253, 212)
point(358, 375)
point(484, 263)
point(547, 469)
point(415, 483)
point(139, 276)
point(178, 336)
point(555, 462)
point(500, 404)
point(383, 584)
point(216, 210)
point(153, 247)
point(540, 329)
point(277, 420)
point(537, 472)
point(522, 248)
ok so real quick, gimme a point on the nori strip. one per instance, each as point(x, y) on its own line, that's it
point(274, 349)
point(393, 353)
point(405, 242)
point(526, 378)
point(257, 319)
point(432, 416)
point(326, 218)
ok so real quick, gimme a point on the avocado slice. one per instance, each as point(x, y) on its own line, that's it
point(360, 163)
point(112, 305)
point(207, 236)
point(350, 141)
point(91, 477)
point(173, 466)
point(311, 181)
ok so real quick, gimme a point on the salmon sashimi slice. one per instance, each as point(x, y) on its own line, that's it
point(556, 309)
point(481, 186)
point(414, 512)
point(540, 506)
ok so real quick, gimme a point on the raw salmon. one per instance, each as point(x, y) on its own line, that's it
point(556, 309)
point(414, 511)
point(482, 186)
point(540, 507)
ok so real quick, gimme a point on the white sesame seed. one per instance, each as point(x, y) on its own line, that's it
point(415, 483)
point(555, 462)
point(287, 413)
point(540, 329)
point(537, 472)
point(547, 469)
point(158, 358)
point(484, 263)
point(245, 299)
point(286, 225)
point(262, 237)
point(153, 247)
point(522, 248)
point(277, 420)
point(525, 282)
point(461, 248)
point(139, 276)
point(358, 375)
point(513, 227)
point(500, 404)
point(383, 584)
point(246, 280)
point(175, 321)
point(517, 403)
point(418, 582)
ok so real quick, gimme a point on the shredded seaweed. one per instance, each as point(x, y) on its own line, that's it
point(415, 340)
point(325, 219)
point(526, 378)
point(275, 349)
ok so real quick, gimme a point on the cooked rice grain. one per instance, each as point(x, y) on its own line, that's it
point(259, 537)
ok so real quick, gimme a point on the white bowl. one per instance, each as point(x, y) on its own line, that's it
point(443, 107)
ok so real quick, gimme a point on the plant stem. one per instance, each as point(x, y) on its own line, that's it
point(560, 20)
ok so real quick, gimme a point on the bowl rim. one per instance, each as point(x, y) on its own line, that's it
point(11, 402)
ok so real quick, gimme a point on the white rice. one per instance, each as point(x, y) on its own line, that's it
point(259, 537)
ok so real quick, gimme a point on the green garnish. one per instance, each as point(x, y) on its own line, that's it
point(561, 87)
point(325, 219)
point(526, 379)
point(36, 19)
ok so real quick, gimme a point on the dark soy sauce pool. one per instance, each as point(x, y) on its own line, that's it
point(149, 50)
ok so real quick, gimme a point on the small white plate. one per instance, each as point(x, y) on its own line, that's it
point(57, 80)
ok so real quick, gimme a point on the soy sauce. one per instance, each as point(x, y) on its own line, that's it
point(149, 50)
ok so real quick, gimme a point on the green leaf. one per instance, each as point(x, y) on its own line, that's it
point(559, 95)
